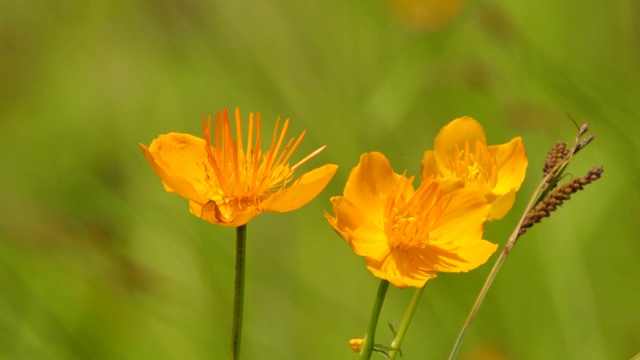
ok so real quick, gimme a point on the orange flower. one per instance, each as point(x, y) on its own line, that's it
point(427, 14)
point(408, 235)
point(228, 185)
point(461, 152)
point(356, 344)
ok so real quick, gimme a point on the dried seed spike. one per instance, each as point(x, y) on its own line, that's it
point(584, 142)
point(556, 154)
point(594, 174)
point(557, 197)
point(583, 129)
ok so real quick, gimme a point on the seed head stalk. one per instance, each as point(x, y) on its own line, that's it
point(494, 271)
point(554, 167)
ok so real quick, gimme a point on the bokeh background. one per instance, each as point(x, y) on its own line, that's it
point(97, 261)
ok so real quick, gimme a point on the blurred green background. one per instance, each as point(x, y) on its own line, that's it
point(97, 261)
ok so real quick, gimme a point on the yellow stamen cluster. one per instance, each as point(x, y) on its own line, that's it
point(474, 165)
point(409, 222)
point(251, 174)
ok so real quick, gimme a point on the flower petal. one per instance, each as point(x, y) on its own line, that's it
point(230, 215)
point(402, 269)
point(429, 166)
point(501, 205)
point(303, 190)
point(370, 184)
point(465, 214)
point(456, 244)
point(459, 131)
point(461, 256)
point(180, 160)
point(365, 236)
point(512, 164)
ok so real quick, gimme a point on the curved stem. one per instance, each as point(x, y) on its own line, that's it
point(397, 342)
point(479, 299)
point(373, 321)
point(238, 294)
point(542, 187)
point(546, 185)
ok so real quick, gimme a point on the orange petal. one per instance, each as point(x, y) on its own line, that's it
point(303, 190)
point(429, 165)
point(370, 184)
point(459, 131)
point(456, 244)
point(501, 205)
point(464, 216)
point(230, 215)
point(402, 269)
point(180, 160)
point(365, 236)
point(512, 164)
point(461, 256)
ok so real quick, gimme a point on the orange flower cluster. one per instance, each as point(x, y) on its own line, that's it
point(407, 235)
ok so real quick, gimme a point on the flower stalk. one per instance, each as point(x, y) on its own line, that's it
point(228, 183)
point(404, 326)
point(238, 293)
point(367, 350)
point(496, 267)
point(545, 199)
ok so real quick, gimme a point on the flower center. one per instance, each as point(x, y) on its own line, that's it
point(247, 176)
point(478, 166)
point(411, 217)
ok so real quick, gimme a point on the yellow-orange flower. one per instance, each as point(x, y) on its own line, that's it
point(408, 235)
point(427, 14)
point(227, 184)
point(461, 152)
point(356, 344)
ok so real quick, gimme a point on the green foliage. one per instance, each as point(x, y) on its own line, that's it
point(98, 262)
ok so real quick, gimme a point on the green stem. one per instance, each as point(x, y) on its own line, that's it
point(479, 300)
point(238, 294)
point(397, 342)
point(542, 187)
point(547, 184)
point(373, 321)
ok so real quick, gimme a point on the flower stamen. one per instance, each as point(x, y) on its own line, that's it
point(308, 157)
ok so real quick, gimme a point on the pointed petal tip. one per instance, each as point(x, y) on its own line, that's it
point(302, 191)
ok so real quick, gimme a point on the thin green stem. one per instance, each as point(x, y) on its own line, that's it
point(479, 299)
point(397, 342)
point(373, 321)
point(542, 187)
point(546, 185)
point(238, 293)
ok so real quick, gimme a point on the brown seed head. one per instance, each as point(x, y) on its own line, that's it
point(557, 197)
point(556, 154)
point(583, 129)
point(584, 142)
